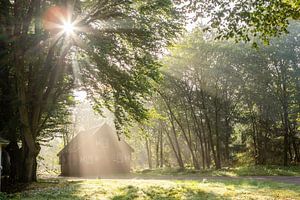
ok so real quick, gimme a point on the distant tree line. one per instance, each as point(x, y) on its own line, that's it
point(221, 103)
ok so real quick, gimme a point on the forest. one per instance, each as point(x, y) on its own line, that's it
point(192, 88)
point(222, 103)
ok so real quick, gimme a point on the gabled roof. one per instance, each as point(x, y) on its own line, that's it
point(83, 135)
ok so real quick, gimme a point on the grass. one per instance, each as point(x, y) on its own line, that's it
point(163, 184)
point(251, 170)
point(131, 189)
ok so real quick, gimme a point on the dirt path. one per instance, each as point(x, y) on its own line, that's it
point(280, 179)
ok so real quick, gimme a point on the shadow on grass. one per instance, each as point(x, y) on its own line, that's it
point(48, 190)
point(127, 193)
point(161, 193)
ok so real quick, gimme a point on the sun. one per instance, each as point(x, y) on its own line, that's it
point(58, 21)
point(68, 28)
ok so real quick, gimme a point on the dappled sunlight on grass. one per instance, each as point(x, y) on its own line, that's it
point(138, 189)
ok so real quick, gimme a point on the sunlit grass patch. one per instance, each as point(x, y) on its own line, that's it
point(131, 189)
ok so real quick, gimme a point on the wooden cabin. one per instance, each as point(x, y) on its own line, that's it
point(95, 153)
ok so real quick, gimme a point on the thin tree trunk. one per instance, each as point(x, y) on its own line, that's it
point(181, 164)
point(178, 152)
point(157, 151)
point(161, 150)
point(198, 132)
point(206, 145)
point(149, 154)
point(296, 150)
point(207, 120)
point(218, 164)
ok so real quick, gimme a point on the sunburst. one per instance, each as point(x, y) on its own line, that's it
point(68, 28)
point(59, 21)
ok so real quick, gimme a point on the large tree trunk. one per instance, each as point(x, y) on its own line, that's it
point(28, 139)
point(29, 163)
point(15, 158)
point(28, 167)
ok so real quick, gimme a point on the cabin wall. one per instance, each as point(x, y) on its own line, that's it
point(97, 154)
point(99, 163)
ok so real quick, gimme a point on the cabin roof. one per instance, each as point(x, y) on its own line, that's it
point(91, 132)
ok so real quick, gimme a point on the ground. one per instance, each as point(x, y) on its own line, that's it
point(248, 182)
point(157, 189)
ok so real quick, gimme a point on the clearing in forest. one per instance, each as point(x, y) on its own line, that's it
point(142, 189)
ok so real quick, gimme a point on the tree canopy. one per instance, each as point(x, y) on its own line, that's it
point(254, 20)
point(114, 45)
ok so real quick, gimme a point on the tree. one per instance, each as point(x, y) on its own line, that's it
point(116, 44)
point(223, 100)
point(255, 20)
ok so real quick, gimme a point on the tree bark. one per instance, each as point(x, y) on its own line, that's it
point(161, 149)
point(218, 150)
point(149, 153)
point(210, 138)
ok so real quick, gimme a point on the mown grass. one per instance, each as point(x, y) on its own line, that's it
point(130, 189)
point(251, 170)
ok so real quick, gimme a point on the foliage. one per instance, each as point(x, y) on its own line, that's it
point(124, 57)
point(255, 20)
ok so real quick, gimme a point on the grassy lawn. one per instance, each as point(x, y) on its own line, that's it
point(269, 170)
point(128, 189)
